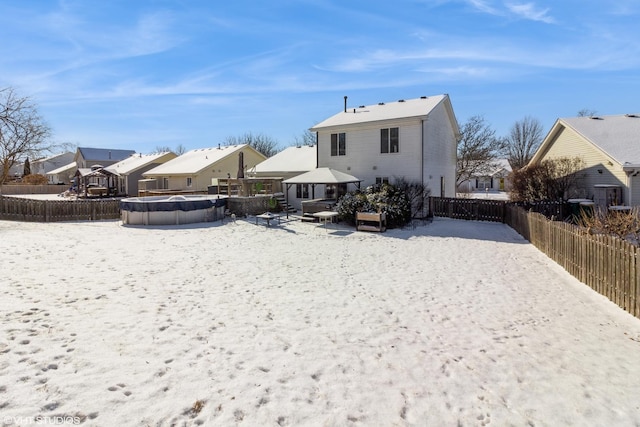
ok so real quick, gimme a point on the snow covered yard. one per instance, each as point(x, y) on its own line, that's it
point(453, 323)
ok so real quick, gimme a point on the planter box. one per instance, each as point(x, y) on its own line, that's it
point(371, 221)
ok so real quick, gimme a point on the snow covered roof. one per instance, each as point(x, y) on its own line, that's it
point(55, 156)
point(138, 161)
point(618, 136)
point(196, 160)
point(419, 107)
point(500, 166)
point(292, 159)
point(322, 176)
point(62, 169)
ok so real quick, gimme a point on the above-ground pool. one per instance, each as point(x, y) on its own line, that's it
point(178, 209)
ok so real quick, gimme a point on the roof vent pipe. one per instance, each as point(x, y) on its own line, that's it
point(345, 104)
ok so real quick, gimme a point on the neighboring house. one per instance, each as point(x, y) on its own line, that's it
point(86, 157)
point(496, 178)
point(195, 169)
point(610, 149)
point(131, 169)
point(15, 171)
point(62, 175)
point(414, 139)
point(286, 164)
point(48, 164)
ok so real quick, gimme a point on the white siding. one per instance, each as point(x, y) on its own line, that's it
point(439, 152)
point(363, 158)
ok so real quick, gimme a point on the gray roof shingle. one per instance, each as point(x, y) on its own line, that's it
point(618, 136)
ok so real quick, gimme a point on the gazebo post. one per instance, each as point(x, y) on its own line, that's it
point(286, 198)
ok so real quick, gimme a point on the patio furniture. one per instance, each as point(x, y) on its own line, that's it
point(326, 216)
point(267, 217)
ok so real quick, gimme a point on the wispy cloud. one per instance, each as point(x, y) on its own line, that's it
point(531, 12)
point(484, 6)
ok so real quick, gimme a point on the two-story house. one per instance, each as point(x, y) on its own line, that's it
point(413, 139)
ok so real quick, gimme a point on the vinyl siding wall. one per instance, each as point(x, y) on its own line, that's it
point(569, 144)
point(202, 180)
point(439, 152)
point(364, 160)
point(634, 198)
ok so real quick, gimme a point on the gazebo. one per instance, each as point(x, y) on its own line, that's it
point(105, 178)
point(335, 181)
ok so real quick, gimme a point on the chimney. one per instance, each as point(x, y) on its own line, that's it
point(345, 104)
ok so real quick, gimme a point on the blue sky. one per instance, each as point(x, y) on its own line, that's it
point(148, 73)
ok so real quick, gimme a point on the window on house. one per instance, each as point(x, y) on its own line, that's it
point(189, 182)
point(382, 180)
point(338, 144)
point(389, 140)
point(165, 183)
point(302, 191)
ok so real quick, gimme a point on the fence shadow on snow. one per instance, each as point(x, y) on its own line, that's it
point(607, 264)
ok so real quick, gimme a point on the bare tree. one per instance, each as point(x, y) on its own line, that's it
point(477, 149)
point(22, 131)
point(552, 179)
point(566, 175)
point(524, 139)
point(179, 150)
point(262, 143)
point(307, 138)
point(587, 112)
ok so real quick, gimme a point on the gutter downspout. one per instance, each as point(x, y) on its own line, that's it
point(630, 171)
point(422, 154)
point(422, 162)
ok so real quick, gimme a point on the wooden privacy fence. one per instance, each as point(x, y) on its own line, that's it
point(10, 189)
point(490, 210)
point(19, 209)
point(605, 263)
point(470, 209)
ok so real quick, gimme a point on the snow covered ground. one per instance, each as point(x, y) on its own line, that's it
point(451, 323)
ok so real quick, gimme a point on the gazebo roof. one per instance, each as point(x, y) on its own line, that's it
point(323, 176)
point(87, 172)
